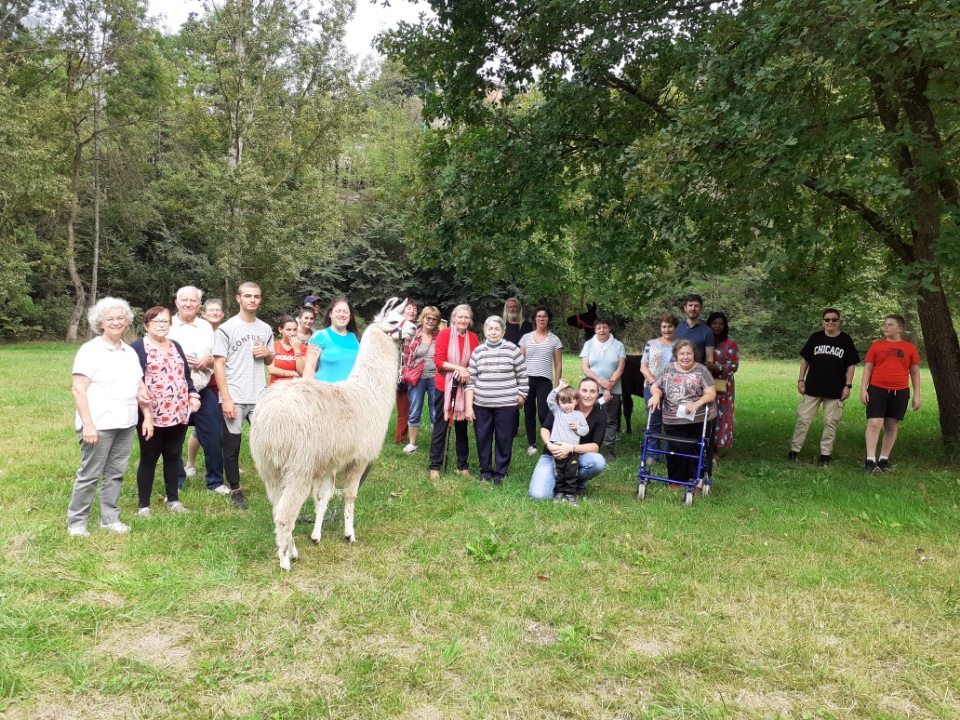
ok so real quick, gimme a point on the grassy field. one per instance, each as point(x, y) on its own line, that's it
point(791, 592)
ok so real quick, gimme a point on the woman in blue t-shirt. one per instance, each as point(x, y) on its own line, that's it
point(333, 350)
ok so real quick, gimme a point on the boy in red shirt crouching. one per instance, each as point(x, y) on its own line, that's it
point(891, 366)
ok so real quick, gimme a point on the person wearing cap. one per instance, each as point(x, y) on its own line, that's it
point(312, 301)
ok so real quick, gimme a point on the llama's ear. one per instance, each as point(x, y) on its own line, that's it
point(384, 310)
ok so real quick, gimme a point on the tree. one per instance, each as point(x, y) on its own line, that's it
point(276, 78)
point(711, 130)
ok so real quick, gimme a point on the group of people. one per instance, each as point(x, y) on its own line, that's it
point(193, 369)
point(828, 362)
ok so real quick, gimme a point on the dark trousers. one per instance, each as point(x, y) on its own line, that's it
point(166, 443)
point(206, 426)
point(230, 444)
point(566, 470)
point(685, 469)
point(437, 442)
point(535, 408)
point(493, 428)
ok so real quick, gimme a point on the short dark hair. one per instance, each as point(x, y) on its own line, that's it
point(830, 310)
point(601, 320)
point(693, 297)
point(540, 309)
point(152, 313)
point(899, 318)
point(309, 309)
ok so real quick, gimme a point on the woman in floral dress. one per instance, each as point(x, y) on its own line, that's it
point(726, 362)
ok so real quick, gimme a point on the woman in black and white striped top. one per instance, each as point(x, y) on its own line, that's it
point(541, 349)
point(495, 392)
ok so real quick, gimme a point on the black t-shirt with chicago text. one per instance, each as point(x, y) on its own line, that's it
point(828, 359)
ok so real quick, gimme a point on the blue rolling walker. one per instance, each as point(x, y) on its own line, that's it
point(651, 451)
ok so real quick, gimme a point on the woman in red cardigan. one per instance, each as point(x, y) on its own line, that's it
point(452, 352)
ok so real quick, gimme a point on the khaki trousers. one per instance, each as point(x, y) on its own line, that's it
point(832, 411)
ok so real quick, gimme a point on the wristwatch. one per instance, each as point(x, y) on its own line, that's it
point(848, 385)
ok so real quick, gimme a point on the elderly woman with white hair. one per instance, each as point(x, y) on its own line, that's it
point(451, 355)
point(495, 392)
point(107, 388)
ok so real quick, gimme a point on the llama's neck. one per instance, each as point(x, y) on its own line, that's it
point(378, 361)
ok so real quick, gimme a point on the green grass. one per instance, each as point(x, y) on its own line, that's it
point(792, 591)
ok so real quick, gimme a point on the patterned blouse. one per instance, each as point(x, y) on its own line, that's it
point(165, 379)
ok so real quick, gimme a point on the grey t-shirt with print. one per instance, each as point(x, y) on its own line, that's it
point(234, 340)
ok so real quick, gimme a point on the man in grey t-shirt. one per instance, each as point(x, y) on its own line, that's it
point(241, 348)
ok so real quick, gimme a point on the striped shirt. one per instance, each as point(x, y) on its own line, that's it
point(498, 375)
point(540, 355)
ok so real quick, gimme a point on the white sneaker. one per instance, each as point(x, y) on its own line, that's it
point(532, 450)
point(410, 448)
point(221, 490)
point(144, 512)
point(189, 471)
point(117, 527)
point(176, 507)
point(78, 531)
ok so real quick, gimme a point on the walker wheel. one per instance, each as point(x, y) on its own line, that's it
point(688, 498)
point(705, 490)
point(641, 491)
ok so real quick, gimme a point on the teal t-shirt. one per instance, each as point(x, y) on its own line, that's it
point(337, 356)
point(604, 365)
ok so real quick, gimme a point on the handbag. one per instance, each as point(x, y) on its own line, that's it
point(720, 384)
point(411, 373)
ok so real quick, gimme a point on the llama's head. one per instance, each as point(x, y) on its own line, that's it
point(392, 322)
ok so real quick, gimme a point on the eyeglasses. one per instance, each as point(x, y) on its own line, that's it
point(159, 323)
point(831, 320)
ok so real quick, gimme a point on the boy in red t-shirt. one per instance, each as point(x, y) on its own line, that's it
point(891, 366)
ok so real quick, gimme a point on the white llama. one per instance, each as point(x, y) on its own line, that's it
point(305, 433)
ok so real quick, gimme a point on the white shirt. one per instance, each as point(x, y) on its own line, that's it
point(115, 375)
point(196, 339)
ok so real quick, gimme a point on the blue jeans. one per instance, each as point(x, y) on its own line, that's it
point(206, 426)
point(415, 394)
point(544, 477)
point(656, 420)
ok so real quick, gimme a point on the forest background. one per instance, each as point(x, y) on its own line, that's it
point(775, 157)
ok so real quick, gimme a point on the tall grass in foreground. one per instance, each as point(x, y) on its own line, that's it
point(792, 591)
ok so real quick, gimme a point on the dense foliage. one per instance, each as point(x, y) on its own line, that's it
point(632, 145)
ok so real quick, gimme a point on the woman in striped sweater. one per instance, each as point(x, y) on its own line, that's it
point(496, 391)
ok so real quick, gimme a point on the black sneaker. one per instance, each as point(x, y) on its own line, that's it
point(870, 466)
point(557, 498)
point(883, 465)
point(571, 500)
point(793, 456)
point(485, 479)
point(236, 497)
point(824, 460)
point(498, 482)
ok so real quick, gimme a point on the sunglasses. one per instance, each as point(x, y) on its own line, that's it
point(831, 320)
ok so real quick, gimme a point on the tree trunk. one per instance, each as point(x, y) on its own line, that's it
point(942, 355)
point(80, 301)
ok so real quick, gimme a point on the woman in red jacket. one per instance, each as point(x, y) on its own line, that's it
point(452, 352)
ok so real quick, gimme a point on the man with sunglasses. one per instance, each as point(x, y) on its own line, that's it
point(827, 364)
